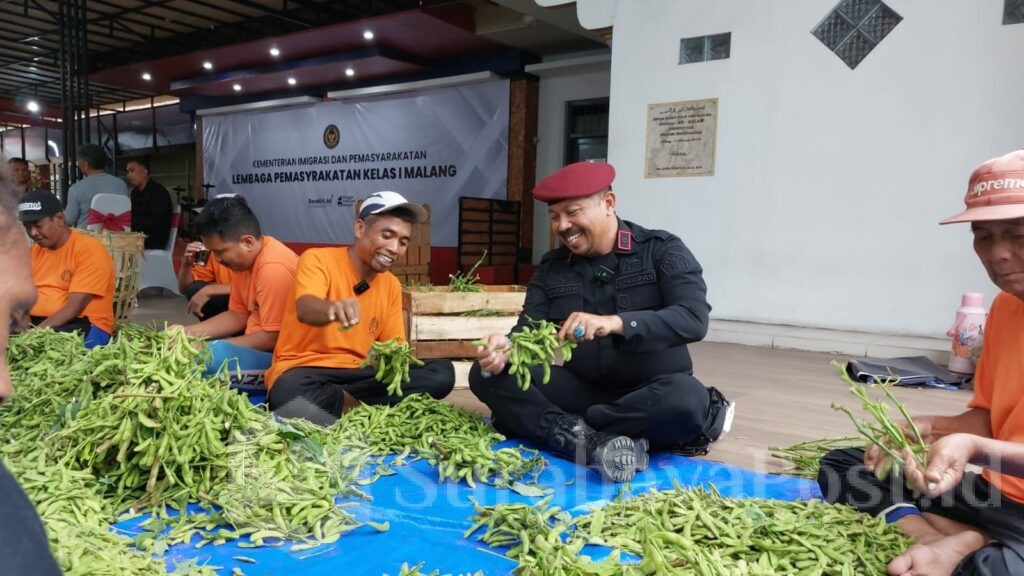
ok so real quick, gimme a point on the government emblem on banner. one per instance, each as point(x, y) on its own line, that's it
point(331, 136)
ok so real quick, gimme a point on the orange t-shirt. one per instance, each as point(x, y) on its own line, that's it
point(262, 291)
point(999, 381)
point(327, 273)
point(81, 265)
point(213, 273)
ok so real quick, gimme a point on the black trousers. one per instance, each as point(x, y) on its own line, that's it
point(316, 394)
point(843, 479)
point(81, 324)
point(669, 411)
point(215, 305)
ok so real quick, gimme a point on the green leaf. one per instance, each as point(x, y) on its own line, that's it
point(288, 432)
point(311, 447)
point(530, 491)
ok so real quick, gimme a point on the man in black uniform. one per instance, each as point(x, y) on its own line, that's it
point(152, 208)
point(632, 299)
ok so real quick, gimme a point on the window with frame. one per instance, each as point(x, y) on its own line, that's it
point(586, 130)
point(705, 48)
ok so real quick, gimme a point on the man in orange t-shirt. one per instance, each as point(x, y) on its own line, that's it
point(73, 273)
point(262, 274)
point(976, 526)
point(344, 300)
point(206, 286)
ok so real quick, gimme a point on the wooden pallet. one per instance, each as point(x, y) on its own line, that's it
point(435, 329)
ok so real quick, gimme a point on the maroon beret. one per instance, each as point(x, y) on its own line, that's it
point(575, 181)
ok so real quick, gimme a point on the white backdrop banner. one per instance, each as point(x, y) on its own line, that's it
point(303, 169)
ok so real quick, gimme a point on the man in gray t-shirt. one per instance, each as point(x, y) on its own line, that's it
point(92, 161)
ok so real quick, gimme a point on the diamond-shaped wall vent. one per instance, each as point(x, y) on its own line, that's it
point(855, 27)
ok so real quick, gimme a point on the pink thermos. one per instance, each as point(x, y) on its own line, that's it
point(967, 332)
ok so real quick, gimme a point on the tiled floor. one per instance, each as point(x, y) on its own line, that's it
point(160, 309)
point(783, 396)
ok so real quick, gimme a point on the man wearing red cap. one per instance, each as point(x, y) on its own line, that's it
point(632, 299)
point(973, 526)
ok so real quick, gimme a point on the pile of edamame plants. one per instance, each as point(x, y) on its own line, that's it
point(691, 532)
point(135, 428)
point(99, 435)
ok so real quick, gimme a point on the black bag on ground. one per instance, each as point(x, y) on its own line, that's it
point(912, 371)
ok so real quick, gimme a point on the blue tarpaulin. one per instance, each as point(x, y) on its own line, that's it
point(427, 519)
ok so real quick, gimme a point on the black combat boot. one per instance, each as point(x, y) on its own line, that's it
point(642, 459)
point(718, 423)
point(616, 457)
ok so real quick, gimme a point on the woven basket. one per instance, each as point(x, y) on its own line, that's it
point(126, 248)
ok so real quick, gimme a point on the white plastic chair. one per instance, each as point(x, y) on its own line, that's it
point(109, 212)
point(157, 265)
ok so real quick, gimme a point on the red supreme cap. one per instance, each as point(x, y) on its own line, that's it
point(575, 181)
point(995, 191)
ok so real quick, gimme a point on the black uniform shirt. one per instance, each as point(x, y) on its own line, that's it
point(24, 548)
point(151, 214)
point(651, 280)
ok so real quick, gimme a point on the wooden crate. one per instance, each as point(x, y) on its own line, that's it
point(489, 229)
point(435, 329)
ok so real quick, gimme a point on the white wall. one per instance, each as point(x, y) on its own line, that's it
point(828, 183)
point(554, 91)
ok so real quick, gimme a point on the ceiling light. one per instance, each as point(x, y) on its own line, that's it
point(291, 81)
point(274, 51)
point(237, 87)
point(350, 72)
point(208, 65)
point(146, 76)
point(32, 106)
point(368, 35)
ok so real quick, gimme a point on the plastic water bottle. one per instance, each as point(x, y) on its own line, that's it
point(967, 331)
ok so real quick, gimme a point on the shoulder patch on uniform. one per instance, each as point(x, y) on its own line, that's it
point(674, 262)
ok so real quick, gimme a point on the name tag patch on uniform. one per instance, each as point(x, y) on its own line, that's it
point(635, 279)
point(563, 290)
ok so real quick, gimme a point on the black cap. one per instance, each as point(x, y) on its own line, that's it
point(38, 204)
